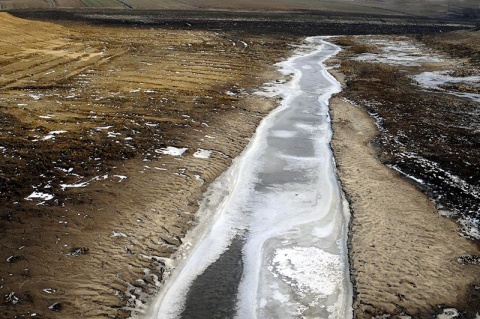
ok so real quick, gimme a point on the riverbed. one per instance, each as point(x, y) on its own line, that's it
point(271, 238)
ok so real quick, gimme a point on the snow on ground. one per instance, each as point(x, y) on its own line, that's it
point(398, 52)
point(201, 153)
point(436, 79)
point(39, 195)
point(171, 150)
point(51, 135)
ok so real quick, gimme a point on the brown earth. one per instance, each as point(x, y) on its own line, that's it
point(406, 259)
point(114, 97)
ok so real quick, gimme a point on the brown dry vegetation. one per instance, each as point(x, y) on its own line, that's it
point(462, 43)
point(118, 95)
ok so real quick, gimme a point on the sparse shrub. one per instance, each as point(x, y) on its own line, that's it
point(360, 48)
point(78, 251)
point(345, 41)
point(15, 259)
point(355, 46)
point(381, 73)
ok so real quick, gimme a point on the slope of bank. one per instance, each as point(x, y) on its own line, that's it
point(401, 249)
point(406, 258)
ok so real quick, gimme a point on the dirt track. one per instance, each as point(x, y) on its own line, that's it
point(93, 105)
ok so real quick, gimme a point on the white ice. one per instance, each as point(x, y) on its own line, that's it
point(398, 52)
point(171, 150)
point(201, 153)
point(435, 79)
point(39, 195)
point(283, 197)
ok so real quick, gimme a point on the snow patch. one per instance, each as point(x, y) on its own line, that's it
point(39, 195)
point(201, 153)
point(52, 134)
point(398, 52)
point(448, 313)
point(171, 150)
point(121, 177)
point(434, 80)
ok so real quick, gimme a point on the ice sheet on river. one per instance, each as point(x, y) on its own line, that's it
point(282, 198)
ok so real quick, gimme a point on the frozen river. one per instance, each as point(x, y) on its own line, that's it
point(271, 242)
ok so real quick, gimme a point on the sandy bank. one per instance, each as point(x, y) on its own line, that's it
point(403, 253)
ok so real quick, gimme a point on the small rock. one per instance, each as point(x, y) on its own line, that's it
point(78, 251)
point(55, 307)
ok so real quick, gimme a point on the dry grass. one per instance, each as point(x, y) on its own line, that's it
point(373, 74)
point(463, 44)
point(354, 46)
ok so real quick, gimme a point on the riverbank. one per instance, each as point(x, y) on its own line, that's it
point(406, 258)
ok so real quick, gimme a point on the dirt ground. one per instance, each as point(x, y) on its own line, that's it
point(98, 106)
point(406, 258)
point(404, 255)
